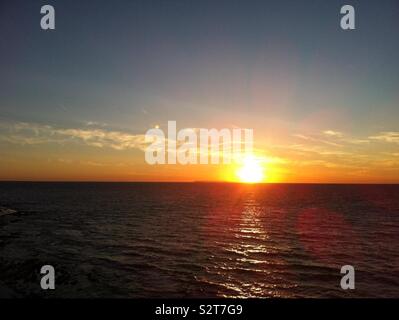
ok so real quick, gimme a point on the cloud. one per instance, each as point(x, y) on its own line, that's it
point(316, 139)
point(75, 162)
point(334, 149)
point(357, 141)
point(319, 163)
point(332, 133)
point(95, 124)
point(387, 136)
point(31, 134)
point(333, 138)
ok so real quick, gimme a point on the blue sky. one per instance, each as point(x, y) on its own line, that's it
point(119, 62)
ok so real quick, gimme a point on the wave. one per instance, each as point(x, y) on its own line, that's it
point(6, 211)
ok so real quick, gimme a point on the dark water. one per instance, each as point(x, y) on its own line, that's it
point(198, 240)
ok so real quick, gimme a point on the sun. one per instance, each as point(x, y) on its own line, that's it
point(251, 170)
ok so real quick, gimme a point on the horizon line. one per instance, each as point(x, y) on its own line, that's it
point(197, 181)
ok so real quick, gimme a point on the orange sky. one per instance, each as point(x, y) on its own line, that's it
point(37, 152)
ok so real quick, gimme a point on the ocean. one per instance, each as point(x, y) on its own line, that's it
point(177, 240)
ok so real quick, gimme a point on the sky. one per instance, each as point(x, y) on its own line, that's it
point(75, 102)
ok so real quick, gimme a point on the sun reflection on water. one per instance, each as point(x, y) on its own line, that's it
point(248, 272)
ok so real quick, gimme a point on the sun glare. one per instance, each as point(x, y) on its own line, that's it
point(251, 171)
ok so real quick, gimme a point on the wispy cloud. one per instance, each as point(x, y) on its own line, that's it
point(74, 162)
point(338, 150)
point(316, 139)
point(332, 133)
point(32, 133)
point(387, 136)
point(95, 124)
point(342, 138)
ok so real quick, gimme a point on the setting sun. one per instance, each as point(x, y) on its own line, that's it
point(251, 171)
